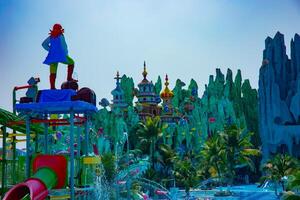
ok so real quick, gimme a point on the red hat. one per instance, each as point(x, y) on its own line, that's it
point(57, 26)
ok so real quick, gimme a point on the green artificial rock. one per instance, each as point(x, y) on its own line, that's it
point(114, 126)
point(168, 131)
point(178, 96)
point(158, 86)
point(127, 85)
point(237, 99)
point(223, 103)
point(193, 86)
point(132, 117)
point(229, 85)
point(250, 108)
point(220, 102)
point(183, 130)
point(100, 119)
point(219, 84)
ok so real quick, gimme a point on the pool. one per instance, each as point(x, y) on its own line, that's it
point(242, 192)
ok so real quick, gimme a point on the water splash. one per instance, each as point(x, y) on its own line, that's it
point(102, 188)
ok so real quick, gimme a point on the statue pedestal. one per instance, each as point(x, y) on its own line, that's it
point(70, 85)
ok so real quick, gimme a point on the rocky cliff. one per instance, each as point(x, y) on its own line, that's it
point(279, 96)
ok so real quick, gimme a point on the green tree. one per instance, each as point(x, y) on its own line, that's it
point(278, 167)
point(168, 155)
point(108, 162)
point(149, 132)
point(168, 158)
point(213, 155)
point(185, 174)
point(238, 150)
point(152, 174)
point(293, 184)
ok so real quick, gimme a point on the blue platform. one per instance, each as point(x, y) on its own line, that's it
point(56, 102)
point(57, 107)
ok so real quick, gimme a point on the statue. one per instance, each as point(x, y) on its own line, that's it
point(57, 49)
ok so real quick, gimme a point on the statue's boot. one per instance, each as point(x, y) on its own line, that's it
point(52, 78)
point(70, 73)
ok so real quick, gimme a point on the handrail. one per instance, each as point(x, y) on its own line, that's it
point(155, 185)
point(142, 165)
point(16, 88)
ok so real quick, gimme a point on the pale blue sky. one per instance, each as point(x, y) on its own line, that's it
point(186, 39)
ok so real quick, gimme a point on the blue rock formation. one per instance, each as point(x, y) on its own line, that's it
point(279, 97)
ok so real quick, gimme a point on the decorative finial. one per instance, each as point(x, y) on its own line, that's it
point(167, 80)
point(145, 70)
point(117, 76)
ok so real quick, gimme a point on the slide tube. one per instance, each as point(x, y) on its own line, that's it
point(34, 188)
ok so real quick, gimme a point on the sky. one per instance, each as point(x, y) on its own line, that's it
point(185, 39)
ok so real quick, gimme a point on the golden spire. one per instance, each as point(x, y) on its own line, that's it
point(145, 70)
point(167, 93)
point(167, 81)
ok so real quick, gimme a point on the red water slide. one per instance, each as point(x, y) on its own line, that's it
point(50, 171)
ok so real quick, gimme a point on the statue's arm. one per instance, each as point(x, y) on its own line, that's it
point(46, 44)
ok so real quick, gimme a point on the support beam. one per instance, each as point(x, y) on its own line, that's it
point(4, 174)
point(14, 143)
point(78, 141)
point(36, 144)
point(72, 189)
point(46, 136)
point(86, 136)
point(11, 135)
point(14, 146)
point(51, 122)
point(27, 167)
point(78, 147)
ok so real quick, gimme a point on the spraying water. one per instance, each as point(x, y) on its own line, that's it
point(102, 188)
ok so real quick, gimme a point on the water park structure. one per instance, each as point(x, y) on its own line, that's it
point(169, 144)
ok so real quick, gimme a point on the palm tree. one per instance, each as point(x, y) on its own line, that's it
point(238, 149)
point(294, 184)
point(168, 155)
point(152, 174)
point(108, 162)
point(291, 196)
point(185, 174)
point(168, 158)
point(213, 154)
point(149, 132)
point(280, 166)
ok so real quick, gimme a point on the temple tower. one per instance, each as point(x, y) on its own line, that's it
point(167, 114)
point(118, 95)
point(147, 104)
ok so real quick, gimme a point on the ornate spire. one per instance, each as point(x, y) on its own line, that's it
point(167, 81)
point(145, 70)
point(118, 78)
point(167, 93)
